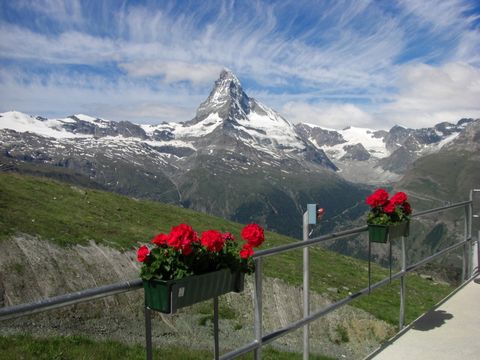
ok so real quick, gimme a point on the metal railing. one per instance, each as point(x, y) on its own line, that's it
point(262, 339)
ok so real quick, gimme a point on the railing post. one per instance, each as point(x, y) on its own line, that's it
point(216, 346)
point(258, 327)
point(148, 333)
point(477, 254)
point(465, 238)
point(401, 321)
point(470, 236)
point(306, 289)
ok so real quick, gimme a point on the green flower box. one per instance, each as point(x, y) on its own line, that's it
point(382, 233)
point(167, 296)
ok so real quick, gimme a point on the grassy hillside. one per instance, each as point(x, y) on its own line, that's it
point(76, 347)
point(70, 215)
point(446, 175)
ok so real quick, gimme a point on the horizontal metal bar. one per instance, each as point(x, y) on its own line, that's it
point(345, 233)
point(314, 316)
point(113, 289)
point(68, 299)
point(437, 254)
point(443, 208)
point(298, 324)
point(302, 322)
point(241, 350)
point(312, 241)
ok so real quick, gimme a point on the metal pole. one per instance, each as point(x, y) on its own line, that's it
point(465, 237)
point(477, 254)
point(470, 235)
point(216, 347)
point(258, 308)
point(306, 289)
point(369, 265)
point(148, 333)
point(401, 321)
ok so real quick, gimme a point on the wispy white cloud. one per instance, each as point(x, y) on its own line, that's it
point(429, 95)
point(65, 11)
point(441, 15)
point(344, 61)
point(335, 116)
point(63, 95)
point(174, 71)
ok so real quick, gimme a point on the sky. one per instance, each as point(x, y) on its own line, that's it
point(336, 63)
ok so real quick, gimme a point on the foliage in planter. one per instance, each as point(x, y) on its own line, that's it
point(183, 253)
point(388, 218)
point(385, 211)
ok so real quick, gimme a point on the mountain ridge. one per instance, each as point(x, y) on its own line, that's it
point(237, 158)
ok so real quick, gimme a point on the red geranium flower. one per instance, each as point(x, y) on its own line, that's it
point(389, 208)
point(228, 236)
point(247, 251)
point(181, 237)
point(142, 253)
point(378, 198)
point(407, 208)
point(213, 240)
point(253, 234)
point(399, 198)
point(160, 239)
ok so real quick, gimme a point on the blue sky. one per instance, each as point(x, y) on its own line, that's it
point(333, 63)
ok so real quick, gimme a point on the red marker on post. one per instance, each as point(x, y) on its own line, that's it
point(320, 213)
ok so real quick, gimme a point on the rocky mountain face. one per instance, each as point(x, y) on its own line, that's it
point(449, 174)
point(237, 158)
point(379, 156)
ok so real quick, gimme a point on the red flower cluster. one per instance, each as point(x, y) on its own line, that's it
point(183, 252)
point(385, 210)
point(247, 251)
point(213, 240)
point(253, 234)
point(378, 198)
point(142, 253)
point(181, 238)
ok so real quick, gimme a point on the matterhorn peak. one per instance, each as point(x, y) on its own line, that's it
point(227, 76)
point(226, 92)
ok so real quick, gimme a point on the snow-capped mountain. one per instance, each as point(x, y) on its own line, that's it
point(236, 158)
point(228, 118)
point(378, 156)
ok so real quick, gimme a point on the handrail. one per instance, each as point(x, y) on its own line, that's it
point(341, 234)
point(260, 339)
point(301, 244)
point(324, 311)
point(68, 299)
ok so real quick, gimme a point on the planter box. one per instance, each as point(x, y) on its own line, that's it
point(382, 233)
point(167, 296)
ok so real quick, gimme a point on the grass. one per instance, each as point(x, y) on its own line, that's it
point(25, 347)
point(71, 215)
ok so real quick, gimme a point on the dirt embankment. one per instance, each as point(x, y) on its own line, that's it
point(33, 269)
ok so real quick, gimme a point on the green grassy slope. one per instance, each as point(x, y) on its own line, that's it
point(81, 348)
point(68, 215)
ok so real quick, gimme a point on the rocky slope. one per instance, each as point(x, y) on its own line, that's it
point(33, 269)
point(379, 156)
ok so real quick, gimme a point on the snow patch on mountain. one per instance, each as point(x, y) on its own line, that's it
point(20, 122)
point(101, 123)
point(270, 128)
point(374, 145)
point(436, 147)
